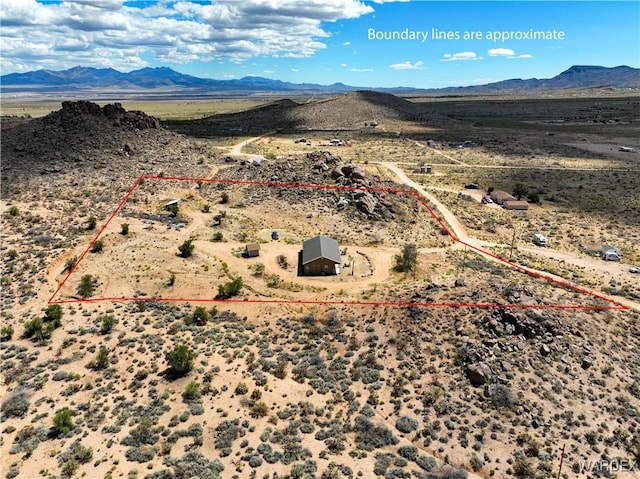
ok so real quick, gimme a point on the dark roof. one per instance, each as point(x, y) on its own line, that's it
point(320, 247)
point(253, 247)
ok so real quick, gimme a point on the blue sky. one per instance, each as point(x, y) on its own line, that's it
point(364, 43)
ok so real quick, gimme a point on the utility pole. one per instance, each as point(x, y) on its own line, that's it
point(561, 460)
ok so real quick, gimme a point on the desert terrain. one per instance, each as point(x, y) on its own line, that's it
point(139, 342)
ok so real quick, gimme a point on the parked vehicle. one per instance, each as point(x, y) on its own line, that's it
point(635, 269)
point(486, 200)
point(539, 239)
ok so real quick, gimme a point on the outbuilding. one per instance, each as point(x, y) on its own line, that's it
point(515, 205)
point(252, 250)
point(499, 196)
point(320, 256)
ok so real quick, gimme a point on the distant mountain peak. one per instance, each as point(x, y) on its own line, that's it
point(89, 78)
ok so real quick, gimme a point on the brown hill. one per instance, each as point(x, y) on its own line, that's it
point(350, 111)
point(84, 140)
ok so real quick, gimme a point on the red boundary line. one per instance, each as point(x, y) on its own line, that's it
point(611, 303)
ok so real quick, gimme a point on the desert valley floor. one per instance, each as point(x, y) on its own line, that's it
point(138, 341)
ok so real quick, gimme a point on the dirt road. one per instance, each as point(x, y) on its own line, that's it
point(461, 236)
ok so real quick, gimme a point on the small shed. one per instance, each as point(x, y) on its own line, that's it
point(320, 256)
point(252, 250)
point(515, 205)
point(499, 196)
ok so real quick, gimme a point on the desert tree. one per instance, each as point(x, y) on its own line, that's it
point(519, 190)
point(102, 359)
point(98, 246)
point(124, 229)
point(63, 421)
point(408, 259)
point(69, 264)
point(87, 286)
point(186, 248)
point(224, 199)
point(180, 359)
point(232, 288)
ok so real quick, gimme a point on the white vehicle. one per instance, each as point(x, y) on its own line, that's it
point(611, 256)
point(539, 239)
point(634, 269)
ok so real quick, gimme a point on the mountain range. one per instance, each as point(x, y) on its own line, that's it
point(166, 79)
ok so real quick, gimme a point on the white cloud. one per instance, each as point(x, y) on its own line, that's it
point(462, 56)
point(110, 33)
point(507, 53)
point(360, 70)
point(346, 44)
point(343, 65)
point(501, 52)
point(419, 65)
point(295, 70)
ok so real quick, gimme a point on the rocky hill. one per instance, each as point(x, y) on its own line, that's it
point(349, 111)
point(84, 140)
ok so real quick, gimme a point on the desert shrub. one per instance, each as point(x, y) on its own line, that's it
point(501, 396)
point(107, 322)
point(282, 261)
point(98, 246)
point(124, 229)
point(69, 264)
point(140, 454)
point(192, 464)
point(217, 236)
point(87, 286)
point(180, 359)
point(270, 155)
point(383, 461)
point(224, 199)
point(408, 452)
point(241, 388)
point(407, 260)
point(199, 318)
point(370, 437)
point(523, 468)
point(91, 223)
point(230, 289)
point(13, 210)
point(258, 269)
point(16, 405)
point(6, 332)
point(186, 248)
point(226, 433)
point(192, 392)
point(63, 421)
point(425, 462)
point(102, 359)
point(53, 314)
point(476, 463)
point(259, 409)
point(406, 424)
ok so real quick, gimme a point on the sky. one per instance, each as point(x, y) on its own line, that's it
point(382, 43)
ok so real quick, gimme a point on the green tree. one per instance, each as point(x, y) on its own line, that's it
point(102, 359)
point(186, 248)
point(6, 332)
point(180, 359)
point(200, 316)
point(87, 286)
point(519, 190)
point(69, 264)
point(191, 392)
point(232, 288)
point(107, 322)
point(124, 229)
point(224, 199)
point(408, 259)
point(63, 421)
point(53, 314)
point(533, 197)
point(98, 246)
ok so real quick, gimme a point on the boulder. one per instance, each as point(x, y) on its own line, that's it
point(479, 373)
